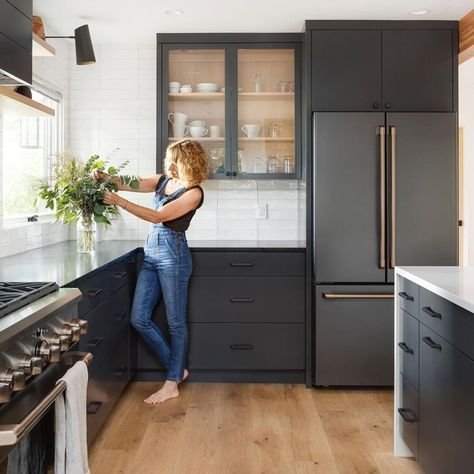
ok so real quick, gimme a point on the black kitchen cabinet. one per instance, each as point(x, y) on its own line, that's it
point(345, 70)
point(252, 111)
point(246, 317)
point(380, 65)
point(354, 335)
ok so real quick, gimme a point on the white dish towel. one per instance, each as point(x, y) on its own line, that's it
point(71, 423)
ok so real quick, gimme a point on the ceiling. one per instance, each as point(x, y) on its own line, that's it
point(127, 21)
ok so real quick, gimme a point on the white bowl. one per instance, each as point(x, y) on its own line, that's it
point(207, 87)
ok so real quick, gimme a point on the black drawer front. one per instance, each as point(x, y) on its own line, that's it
point(408, 413)
point(108, 324)
point(94, 291)
point(25, 6)
point(15, 25)
point(248, 263)
point(408, 347)
point(448, 320)
point(251, 299)
point(409, 296)
point(117, 275)
point(246, 346)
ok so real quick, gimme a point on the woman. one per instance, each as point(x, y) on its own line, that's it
point(167, 265)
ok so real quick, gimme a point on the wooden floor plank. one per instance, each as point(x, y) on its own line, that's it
point(250, 428)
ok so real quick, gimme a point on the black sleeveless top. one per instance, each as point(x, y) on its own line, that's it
point(180, 224)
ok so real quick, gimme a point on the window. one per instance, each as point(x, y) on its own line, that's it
point(30, 145)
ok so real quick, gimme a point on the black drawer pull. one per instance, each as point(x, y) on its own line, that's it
point(93, 293)
point(93, 407)
point(119, 275)
point(242, 347)
point(241, 300)
point(94, 342)
point(243, 264)
point(405, 348)
point(120, 316)
point(406, 296)
point(408, 415)
point(430, 312)
point(432, 344)
point(120, 370)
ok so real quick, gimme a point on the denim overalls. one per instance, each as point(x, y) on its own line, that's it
point(165, 272)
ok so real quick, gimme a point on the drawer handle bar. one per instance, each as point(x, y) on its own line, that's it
point(405, 348)
point(243, 264)
point(241, 300)
point(408, 415)
point(358, 296)
point(12, 433)
point(95, 292)
point(406, 296)
point(119, 275)
point(93, 407)
point(120, 370)
point(120, 316)
point(429, 311)
point(431, 343)
point(94, 342)
point(242, 347)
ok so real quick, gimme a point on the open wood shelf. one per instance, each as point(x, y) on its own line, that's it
point(241, 139)
point(12, 103)
point(41, 47)
point(197, 96)
point(266, 95)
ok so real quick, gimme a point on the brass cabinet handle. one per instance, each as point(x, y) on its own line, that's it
point(382, 262)
point(358, 296)
point(393, 142)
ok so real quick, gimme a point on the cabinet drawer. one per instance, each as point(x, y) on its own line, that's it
point(248, 263)
point(408, 347)
point(108, 324)
point(408, 413)
point(252, 299)
point(94, 291)
point(117, 275)
point(450, 321)
point(246, 346)
point(409, 296)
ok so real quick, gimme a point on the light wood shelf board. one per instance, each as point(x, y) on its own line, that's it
point(41, 47)
point(12, 103)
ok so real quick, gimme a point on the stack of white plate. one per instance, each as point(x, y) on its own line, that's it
point(207, 87)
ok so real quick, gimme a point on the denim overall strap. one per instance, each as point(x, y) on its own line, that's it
point(162, 182)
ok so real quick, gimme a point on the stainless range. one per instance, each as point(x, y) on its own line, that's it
point(39, 330)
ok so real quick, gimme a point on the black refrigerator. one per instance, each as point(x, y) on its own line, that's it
point(384, 194)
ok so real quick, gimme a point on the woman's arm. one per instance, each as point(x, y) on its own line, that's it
point(177, 208)
point(145, 185)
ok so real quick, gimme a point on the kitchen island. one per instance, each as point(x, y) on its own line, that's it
point(434, 367)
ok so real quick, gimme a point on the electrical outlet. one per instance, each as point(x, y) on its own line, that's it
point(262, 211)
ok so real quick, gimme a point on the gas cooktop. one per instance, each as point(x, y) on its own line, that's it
point(14, 295)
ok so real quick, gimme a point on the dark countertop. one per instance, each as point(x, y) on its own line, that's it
point(62, 264)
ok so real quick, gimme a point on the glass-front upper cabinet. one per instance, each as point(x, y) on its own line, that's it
point(239, 100)
point(266, 111)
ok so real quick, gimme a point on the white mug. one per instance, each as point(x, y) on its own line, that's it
point(174, 84)
point(197, 123)
point(185, 89)
point(215, 131)
point(180, 130)
point(197, 132)
point(251, 130)
point(177, 117)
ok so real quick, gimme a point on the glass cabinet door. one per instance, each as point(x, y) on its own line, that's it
point(196, 105)
point(266, 110)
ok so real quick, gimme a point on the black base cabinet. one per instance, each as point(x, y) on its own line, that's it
point(246, 316)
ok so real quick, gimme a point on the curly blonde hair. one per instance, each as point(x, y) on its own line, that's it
point(190, 159)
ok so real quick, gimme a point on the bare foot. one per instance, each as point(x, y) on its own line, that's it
point(185, 376)
point(166, 392)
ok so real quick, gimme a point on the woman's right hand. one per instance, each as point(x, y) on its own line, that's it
point(99, 175)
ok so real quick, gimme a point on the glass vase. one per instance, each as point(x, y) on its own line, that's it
point(86, 235)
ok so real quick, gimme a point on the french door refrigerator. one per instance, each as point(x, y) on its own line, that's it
point(384, 194)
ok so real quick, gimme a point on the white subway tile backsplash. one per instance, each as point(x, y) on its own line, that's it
point(280, 194)
point(237, 204)
point(237, 224)
point(236, 234)
point(237, 194)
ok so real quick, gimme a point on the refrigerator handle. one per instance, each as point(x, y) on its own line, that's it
point(393, 198)
point(382, 262)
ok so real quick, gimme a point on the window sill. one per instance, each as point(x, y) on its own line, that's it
point(18, 222)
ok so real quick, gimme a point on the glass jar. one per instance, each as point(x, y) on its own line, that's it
point(259, 164)
point(288, 164)
point(258, 83)
point(272, 164)
point(86, 234)
point(273, 130)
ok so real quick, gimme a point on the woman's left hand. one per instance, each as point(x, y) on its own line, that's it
point(112, 198)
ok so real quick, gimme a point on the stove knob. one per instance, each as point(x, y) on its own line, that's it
point(81, 324)
point(50, 353)
point(5, 392)
point(74, 332)
point(31, 365)
point(62, 341)
point(54, 353)
point(14, 378)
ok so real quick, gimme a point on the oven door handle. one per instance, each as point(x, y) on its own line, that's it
point(11, 434)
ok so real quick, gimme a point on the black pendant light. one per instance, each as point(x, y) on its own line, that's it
point(84, 49)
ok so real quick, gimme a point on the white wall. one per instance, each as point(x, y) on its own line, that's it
point(113, 104)
point(14, 239)
point(466, 121)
